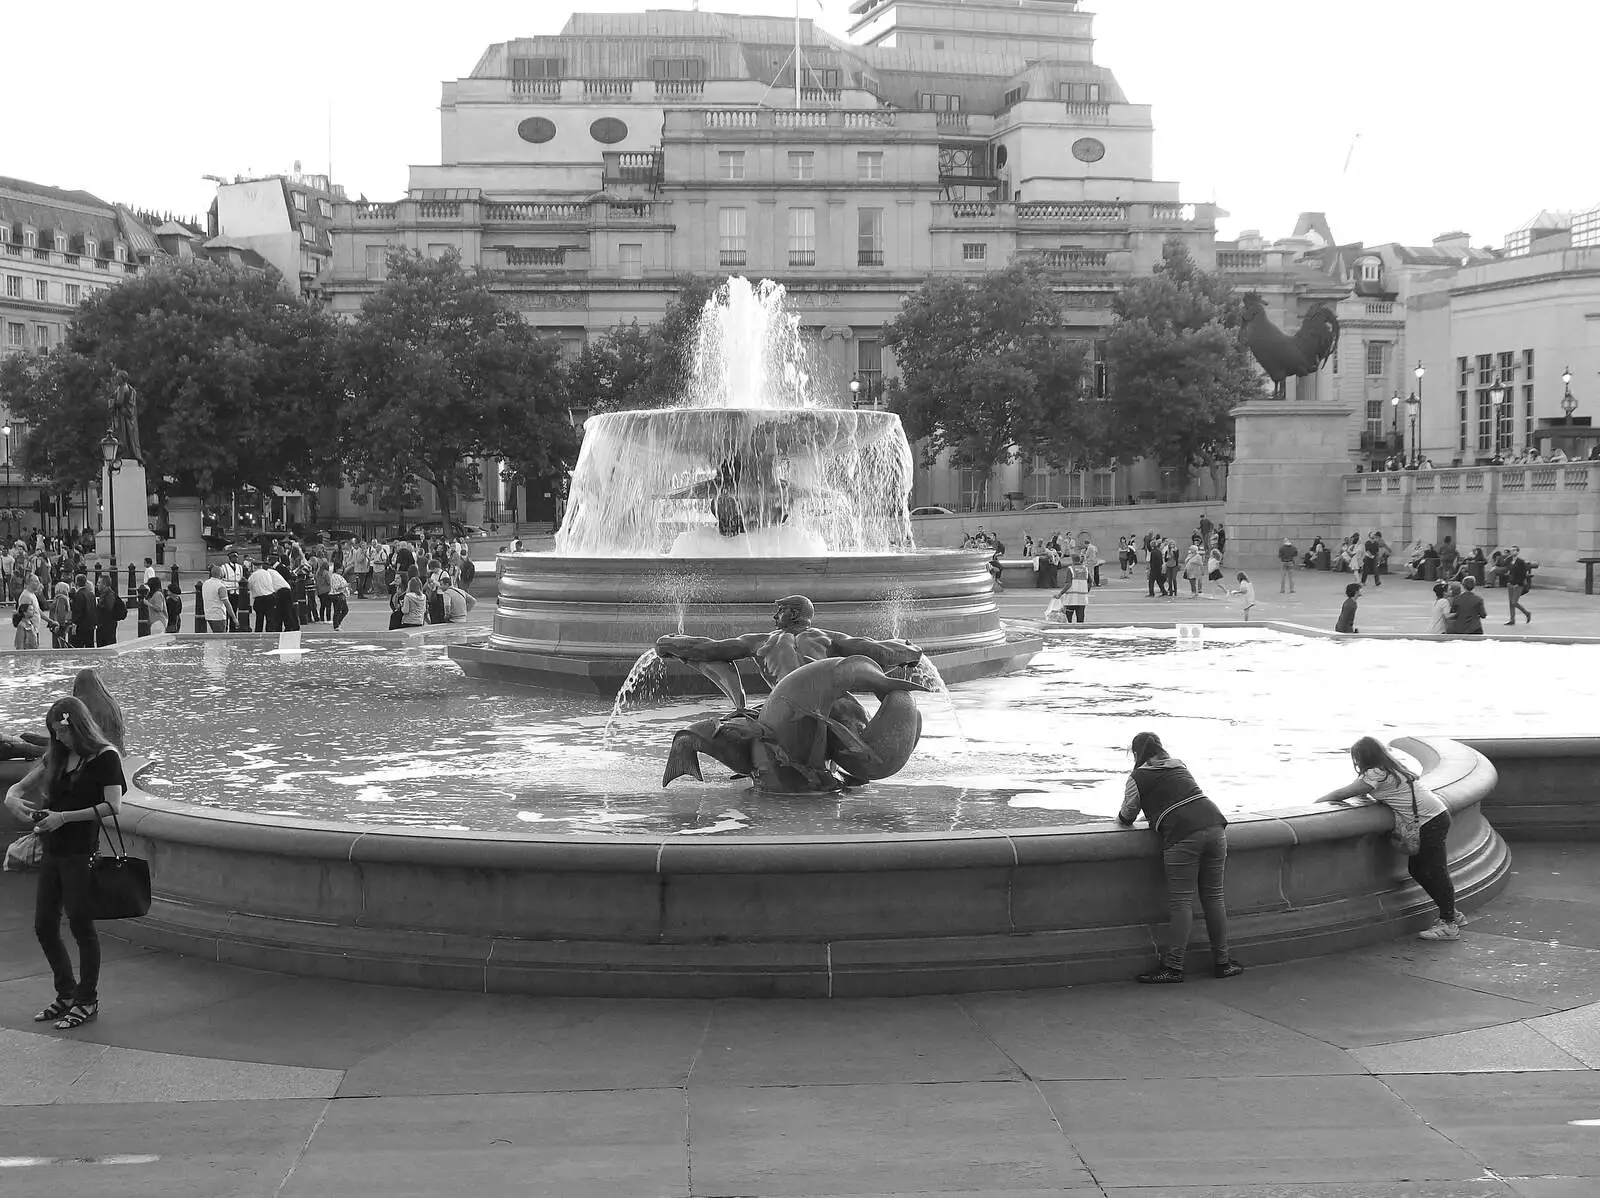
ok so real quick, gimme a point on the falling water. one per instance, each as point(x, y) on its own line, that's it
point(927, 674)
point(895, 611)
point(749, 352)
point(650, 669)
point(684, 588)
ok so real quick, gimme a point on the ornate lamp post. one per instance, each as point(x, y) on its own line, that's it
point(1569, 402)
point(1416, 412)
point(855, 392)
point(1497, 395)
point(1394, 425)
point(109, 449)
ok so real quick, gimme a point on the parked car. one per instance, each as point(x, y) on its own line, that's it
point(435, 528)
point(1047, 505)
point(931, 510)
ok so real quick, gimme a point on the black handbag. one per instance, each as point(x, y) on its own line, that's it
point(119, 885)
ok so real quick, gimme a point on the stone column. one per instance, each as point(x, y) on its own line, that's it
point(187, 548)
point(1286, 478)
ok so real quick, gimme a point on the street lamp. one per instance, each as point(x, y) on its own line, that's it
point(6, 430)
point(1415, 412)
point(1394, 424)
point(1569, 402)
point(108, 450)
point(1498, 394)
point(855, 392)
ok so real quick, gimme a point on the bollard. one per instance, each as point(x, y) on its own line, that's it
point(175, 582)
point(199, 607)
point(133, 582)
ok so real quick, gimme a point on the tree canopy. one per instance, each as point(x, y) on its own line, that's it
point(987, 372)
point(439, 371)
point(1175, 366)
point(641, 366)
point(234, 379)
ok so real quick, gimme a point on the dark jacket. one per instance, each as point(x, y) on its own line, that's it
point(1165, 790)
point(1347, 617)
point(1468, 613)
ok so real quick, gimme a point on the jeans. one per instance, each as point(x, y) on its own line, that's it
point(341, 609)
point(64, 885)
point(1369, 566)
point(1429, 866)
point(1196, 862)
point(1285, 577)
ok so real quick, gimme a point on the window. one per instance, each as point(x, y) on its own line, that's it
point(13, 286)
point(438, 249)
point(5, 233)
point(60, 243)
point(299, 198)
point(1080, 93)
point(538, 68)
point(730, 234)
point(938, 102)
point(1527, 366)
point(1508, 365)
point(938, 43)
point(73, 294)
point(1377, 353)
point(631, 256)
point(377, 262)
point(91, 247)
point(677, 68)
point(122, 252)
point(1371, 270)
point(308, 233)
point(30, 236)
point(1461, 408)
point(974, 251)
point(1527, 413)
point(1486, 370)
point(41, 290)
point(16, 335)
point(730, 165)
point(1334, 358)
point(1015, 96)
point(1485, 421)
point(869, 165)
point(1374, 418)
point(869, 371)
point(869, 237)
point(802, 165)
point(974, 490)
point(41, 336)
point(802, 237)
point(324, 208)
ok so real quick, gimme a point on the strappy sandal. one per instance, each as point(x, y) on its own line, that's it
point(54, 1011)
point(79, 1014)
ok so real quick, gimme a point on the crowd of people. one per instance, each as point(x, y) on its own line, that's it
point(1528, 457)
point(61, 599)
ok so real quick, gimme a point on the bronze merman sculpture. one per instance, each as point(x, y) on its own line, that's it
point(812, 735)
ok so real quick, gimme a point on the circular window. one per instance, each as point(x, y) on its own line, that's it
point(1088, 149)
point(536, 129)
point(1000, 156)
point(608, 130)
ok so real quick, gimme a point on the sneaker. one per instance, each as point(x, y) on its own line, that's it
point(1160, 975)
point(1441, 931)
point(1227, 969)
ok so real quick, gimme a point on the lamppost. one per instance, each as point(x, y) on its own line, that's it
point(1497, 396)
point(6, 431)
point(855, 392)
point(1569, 402)
point(1415, 413)
point(108, 450)
point(1394, 425)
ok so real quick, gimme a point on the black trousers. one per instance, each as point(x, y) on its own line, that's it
point(241, 612)
point(341, 609)
point(64, 886)
point(1429, 866)
point(288, 614)
point(268, 618)
point(1369, 566)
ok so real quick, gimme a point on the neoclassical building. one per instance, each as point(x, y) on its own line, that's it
point(590, 170)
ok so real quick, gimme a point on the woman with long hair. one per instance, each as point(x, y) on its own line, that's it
point(413, 605)
point(1194, 854)
point(1384, 780)
point(77, 782)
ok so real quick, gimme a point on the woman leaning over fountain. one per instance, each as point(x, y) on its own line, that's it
point(78, 781)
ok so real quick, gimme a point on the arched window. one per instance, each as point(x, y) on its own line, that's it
point(1371, 270)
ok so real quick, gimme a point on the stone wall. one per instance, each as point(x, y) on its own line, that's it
point(1104, 524)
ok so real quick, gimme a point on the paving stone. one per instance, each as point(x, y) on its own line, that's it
point(1576, 1032)
point(1517, 1124)
point(1549, 920)
point(20, 956)
point(1530, 970)
point(1234, 1131)
point(609, 1145)
point(129, 1075)
point(38, 1067)
point(1145, 1031)
point(1554, 1187)
point(796, 1043)
point(1332, 1000)
point(496, 1044)
point(1472, 1188)
point(1511, 1047)
point(859, 1140)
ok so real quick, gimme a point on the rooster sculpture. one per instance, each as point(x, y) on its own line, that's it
point(1281, 354)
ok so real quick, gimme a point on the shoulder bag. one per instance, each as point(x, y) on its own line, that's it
point(1407, 837)
point(119, 885)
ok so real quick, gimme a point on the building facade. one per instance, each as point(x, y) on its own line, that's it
point(588, 172)
point(287, 219)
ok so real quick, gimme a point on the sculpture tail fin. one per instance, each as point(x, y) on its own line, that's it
point(682, 759)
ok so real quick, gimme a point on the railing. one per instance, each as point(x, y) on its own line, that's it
point(869, 257)
point(1575, 478)
point(792, 118)
point(1075, 259)
point(1230, 261)
point(1074, 213)
point(1542, 478)
point(1513, 480)
point(13, 249)
point(535, 211)
point(820, 95)
point(633, 166)
point(730, 118)
point(41, 253)
point(612, 89)
point(540, 255)
point(1450, 482)
point(972, 209)
point(802, 257)
point(521, 88)
point(800, 118)
point(680, 87)
point(1171, 213)
point(868, 118)
point(1474, 480)
point(377, 211)
point(628, 210)
point(1377, 307)
point(950, 120)
point(730, 257)
point(439, 210)
point(1424, 482)
point(1391, 482)
point(1080, 109)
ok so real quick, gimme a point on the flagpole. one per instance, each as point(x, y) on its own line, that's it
point(797, 53)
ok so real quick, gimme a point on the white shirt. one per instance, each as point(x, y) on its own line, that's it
point(457, 603)
point(1396, 796)
point(214, 598)
point(337, 585)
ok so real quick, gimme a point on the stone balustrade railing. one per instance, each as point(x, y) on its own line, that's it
point(793, 118)
point(1549, 477)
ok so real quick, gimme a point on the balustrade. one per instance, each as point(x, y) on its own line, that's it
point(611, 89)
point(628, 210)
point(1075, 259)
point(950, 120)
point(1474, 480)
point(1380, 308)
point(376, 211)
point(1080, 109)
point(730, 118)
point(972, 209)
point(1450, 481)
point(1229, 261)
point(535, 211)
point(1542, 479)
point(800, 118)
point(1513, 480)
point(531, 88)
point(1074, 213)
point(680, 87)
point(1575, 478)
point(439, 210)
point(540, 255)
point(820, 95)
point(868, 118)
point(1171, 213)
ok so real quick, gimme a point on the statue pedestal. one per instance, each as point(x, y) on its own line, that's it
point(1286, 479)
point(127, 489)
point(186, 547)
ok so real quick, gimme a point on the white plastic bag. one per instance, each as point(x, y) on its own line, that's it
point(24, 852)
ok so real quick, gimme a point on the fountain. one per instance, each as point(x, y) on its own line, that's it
point(754, 488)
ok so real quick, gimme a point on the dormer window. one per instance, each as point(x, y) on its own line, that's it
point(61, 243)
point(30, 237)
point(122, 252)
point(90, 245)
point(1371, 270)
point(299, 200)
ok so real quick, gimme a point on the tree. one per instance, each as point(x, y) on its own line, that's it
point(233, 376)
point(439, 372)
point(642, 366)
point(987, 372)
point(1176, 367)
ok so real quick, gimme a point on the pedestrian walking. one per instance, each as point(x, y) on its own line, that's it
point(1517, 572)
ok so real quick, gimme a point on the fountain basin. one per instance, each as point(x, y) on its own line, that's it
point(813, 916)
point(578, 624)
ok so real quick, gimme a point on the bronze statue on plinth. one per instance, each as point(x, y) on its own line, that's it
point(1281, 355)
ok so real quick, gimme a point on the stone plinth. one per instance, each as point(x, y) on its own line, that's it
point(127, 491)
point(1287, 478)
point(187, 548)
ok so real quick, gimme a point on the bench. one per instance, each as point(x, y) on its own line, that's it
point(1588, 564)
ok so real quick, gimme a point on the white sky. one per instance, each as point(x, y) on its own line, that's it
point(1469, 115)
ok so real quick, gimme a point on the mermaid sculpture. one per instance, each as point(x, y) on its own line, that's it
point(812, 735)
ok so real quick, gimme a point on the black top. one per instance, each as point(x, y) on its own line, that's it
point(1518, 571)
point(1347, 617)
point(78, 790)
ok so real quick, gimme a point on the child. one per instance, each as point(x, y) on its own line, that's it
point(1214, 570)
point(1247, 591)
point(1347, 613)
